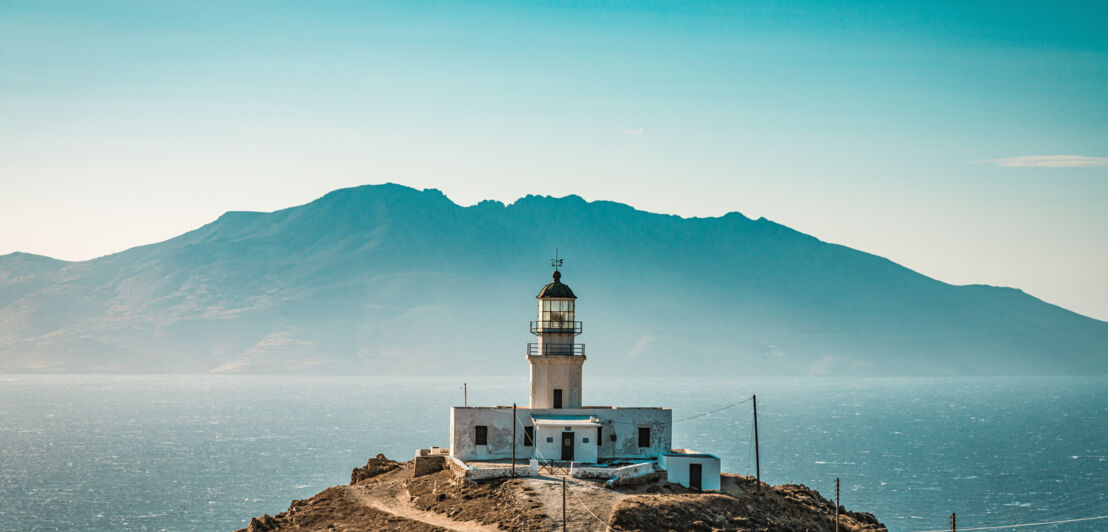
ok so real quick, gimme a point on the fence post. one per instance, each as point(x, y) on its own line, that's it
point(836, 504)
point(757, 458)
point(564, 504)
point(514, 423)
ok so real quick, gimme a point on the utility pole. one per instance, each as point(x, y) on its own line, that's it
point(836, 504)
point(514, 423)
point(564, 504)
point(757, 459)
point(465, 394)
point(953, 523)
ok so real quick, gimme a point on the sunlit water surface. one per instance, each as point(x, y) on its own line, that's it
point(207, 453)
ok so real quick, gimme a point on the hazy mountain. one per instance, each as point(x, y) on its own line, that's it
point(388, 279)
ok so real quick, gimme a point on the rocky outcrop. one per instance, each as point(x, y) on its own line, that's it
point(265, 523)
point(387, 495)
point(742, 504)
point(377, 465)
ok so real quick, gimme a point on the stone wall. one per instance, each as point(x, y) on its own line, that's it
point(464, 470)
point(624, 472)
point(458, 467)
point(425, 465)
point(484, 473)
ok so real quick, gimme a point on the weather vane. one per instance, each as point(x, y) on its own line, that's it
point(556, 262)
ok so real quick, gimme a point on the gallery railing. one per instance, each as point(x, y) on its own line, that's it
point(556, 349)
point(556, 327)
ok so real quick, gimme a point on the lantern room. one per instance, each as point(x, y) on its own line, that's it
point(556, 315)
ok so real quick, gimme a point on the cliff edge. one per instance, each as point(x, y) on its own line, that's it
point(383, 495)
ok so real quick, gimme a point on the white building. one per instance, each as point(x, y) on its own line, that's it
point(555, 426)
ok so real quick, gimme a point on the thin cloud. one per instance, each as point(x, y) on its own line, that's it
point(633, 132)
point(640, 346)
point(1047, 161)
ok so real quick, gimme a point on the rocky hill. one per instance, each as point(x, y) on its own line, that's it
point(384, 496)
point(388, 279)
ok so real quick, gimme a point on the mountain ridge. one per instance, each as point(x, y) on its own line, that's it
point(386, 279)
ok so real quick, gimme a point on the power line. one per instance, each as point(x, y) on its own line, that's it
point(749, 446)
point(702, 414)
point(1079, 509)
point(1089, 499)
point(747, 400)
point(1023, 525)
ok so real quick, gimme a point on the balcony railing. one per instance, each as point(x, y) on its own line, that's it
point(555, 327)
point(556, 349)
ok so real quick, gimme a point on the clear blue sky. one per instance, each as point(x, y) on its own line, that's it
point(932, 135)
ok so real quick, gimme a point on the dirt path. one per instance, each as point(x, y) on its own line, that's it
point(588, 504)
point(396, 502)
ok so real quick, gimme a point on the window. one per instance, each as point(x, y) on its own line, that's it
point(550, 439)
point(584, 440)
point(528, 436)
point(482, 436)
point(599, 435)
point(644, 436)
point(557, 398)
point(557, 314)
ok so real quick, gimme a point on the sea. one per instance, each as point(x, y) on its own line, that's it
point(94, 452)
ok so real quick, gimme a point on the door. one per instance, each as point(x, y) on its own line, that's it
point(567, 446)
point(694, 476)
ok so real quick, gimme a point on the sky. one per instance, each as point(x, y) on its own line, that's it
point(967, 141)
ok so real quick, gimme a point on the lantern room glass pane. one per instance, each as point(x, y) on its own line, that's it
point(556, 314)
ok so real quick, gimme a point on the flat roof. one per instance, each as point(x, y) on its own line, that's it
point(579, 421)
point(524, 407)
point(693, 455)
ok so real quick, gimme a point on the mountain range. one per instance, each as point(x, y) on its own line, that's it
point(386, 279)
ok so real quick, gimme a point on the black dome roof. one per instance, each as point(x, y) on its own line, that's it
point(556, 289)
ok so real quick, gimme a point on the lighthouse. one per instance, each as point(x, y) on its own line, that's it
point(592, 441)
point(555, 358)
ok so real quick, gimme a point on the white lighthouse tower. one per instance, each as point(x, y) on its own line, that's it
point(555, 359)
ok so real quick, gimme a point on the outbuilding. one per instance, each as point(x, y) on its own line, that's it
point(699, 471)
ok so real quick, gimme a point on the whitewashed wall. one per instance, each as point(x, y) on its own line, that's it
point(623, 422)
point(677, 469)
point(498, 419)
point(549, 443)
point(555, 372)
